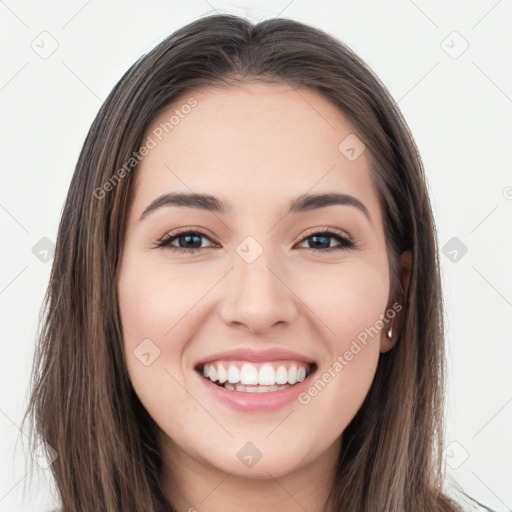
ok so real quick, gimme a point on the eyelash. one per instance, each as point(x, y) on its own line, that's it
point(345, 241)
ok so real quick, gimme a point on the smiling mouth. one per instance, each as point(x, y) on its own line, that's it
point(249, 377)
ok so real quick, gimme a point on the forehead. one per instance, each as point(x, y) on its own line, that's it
point(254, 142)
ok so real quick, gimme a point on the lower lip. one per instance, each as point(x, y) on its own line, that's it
point(268, 401)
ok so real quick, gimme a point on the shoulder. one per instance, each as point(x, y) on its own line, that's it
point(471, 505)
point(465, 501)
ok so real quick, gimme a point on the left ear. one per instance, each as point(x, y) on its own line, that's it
point(395, 324)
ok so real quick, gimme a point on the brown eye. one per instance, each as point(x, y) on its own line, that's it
point(188, 241)
point(322, 239)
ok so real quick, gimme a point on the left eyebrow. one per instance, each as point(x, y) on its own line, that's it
point(307, 202)
point(207, 202)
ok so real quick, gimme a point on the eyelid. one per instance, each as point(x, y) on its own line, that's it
point(330, 230)
point(345, 240)
point(183, 231)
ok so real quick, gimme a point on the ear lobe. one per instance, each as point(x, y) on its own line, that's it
point(387, 342)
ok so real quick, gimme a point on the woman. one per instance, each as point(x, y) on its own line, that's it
point(295, 361)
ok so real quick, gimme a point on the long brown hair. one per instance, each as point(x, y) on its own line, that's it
point(82, 402)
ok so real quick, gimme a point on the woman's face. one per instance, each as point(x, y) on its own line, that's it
point(266, 294)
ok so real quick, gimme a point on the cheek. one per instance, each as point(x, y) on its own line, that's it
point(350, 306)
point(155, 308)
point(153, 299)
point(150, 305)
point(350, 302)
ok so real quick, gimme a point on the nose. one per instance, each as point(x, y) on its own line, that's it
point(257, 297)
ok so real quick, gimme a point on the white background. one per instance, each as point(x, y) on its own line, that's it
point(459, 110)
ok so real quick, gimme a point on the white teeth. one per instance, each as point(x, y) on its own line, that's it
point(249, 374)
point(292, 375)
point(254, 389)
point(233, 374)
point(266, 376)
point(222, 374)
point(281, 375)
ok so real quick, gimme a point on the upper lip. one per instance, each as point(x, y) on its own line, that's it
point(255, 356)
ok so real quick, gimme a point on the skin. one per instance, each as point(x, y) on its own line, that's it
point(254, 146)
